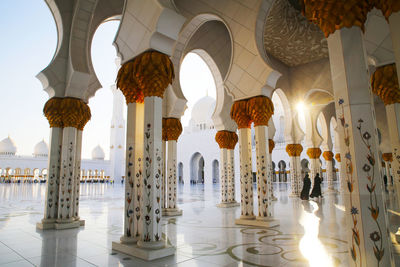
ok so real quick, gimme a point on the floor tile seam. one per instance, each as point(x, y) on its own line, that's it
point(18, 255)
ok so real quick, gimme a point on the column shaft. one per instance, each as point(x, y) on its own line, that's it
point(329, 174)
point(67, 176)
point(171, 174)
point(246, 174)
point(53, 177)
point(164, 175)
point(294, 178)
point(223, 170)
point(369, 243)
point(77, 173)
point(263, 171)
point(152, 168)
point(314, 169)
point(231, 174)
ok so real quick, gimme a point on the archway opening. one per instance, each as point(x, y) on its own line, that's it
point(180, 173)
point(215, 171)
point(197, 169)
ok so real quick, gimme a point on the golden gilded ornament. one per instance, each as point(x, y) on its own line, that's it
point(332, 15)
point(75, 112)
point(239, 114)
point(328, 155)
point(260, 110)
point(314, 152)
point(387, 157)
point(52, 111)
point(173, 129)
point(385, 84)
point(294, 150)
point(226, 139)
point(337, 157)
point(387, 7)
point(271, 145)
point(153, 71)
point(126, 82)
point(164, 130)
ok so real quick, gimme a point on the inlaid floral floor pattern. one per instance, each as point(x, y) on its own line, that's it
point(308, 233)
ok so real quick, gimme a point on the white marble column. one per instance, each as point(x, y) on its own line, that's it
point(67, 180)
point(172, 208)
point(77, 174)
point(151, 236)
point(263, 172)
point(164, 176)
point(53, 178)
point(223, 170)
point(328, 156)
point(246, 175)
point(231, 177)
point(271, 145)
point(368, 241)
point(133, 164)
point(294, 151)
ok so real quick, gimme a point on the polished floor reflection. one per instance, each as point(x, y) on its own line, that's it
point(309, 233)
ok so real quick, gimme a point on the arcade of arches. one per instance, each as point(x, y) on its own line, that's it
point(331, 67)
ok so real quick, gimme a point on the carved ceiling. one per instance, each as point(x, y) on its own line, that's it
point(289, 38)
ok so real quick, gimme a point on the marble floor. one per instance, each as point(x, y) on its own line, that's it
point(309, 233)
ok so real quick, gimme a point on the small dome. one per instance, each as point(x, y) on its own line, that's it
point(41, 149)
point(203, 110)
point(7, 147)
point(98, 153)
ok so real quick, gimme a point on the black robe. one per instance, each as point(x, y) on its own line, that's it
point(306, 188)
point(316, 191)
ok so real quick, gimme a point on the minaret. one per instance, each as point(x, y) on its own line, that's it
point(117, 134)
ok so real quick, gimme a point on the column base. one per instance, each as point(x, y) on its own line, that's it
point(228, 204)
point(293, 195)
point(273, 198)
point(270, 222)
point(46, 224)
point(171, 212)
point(67, 225)
point(128, 240)
point(147, 254)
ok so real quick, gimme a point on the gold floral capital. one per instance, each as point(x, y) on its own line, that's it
point(127, 83)
point(328, 155)
point(75, 112)
point(226, 139)
point(239, 114)
point(271, 145)
point(294, 150)
point(52, 111)
point(337, 157)
point(387, 7)
point(173, 129)
point(388, 157)
point(385, 84)
point(260, 110)
point(153, 72)
point(336, 14)
point(314, 152)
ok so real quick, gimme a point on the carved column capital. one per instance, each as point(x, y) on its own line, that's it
point(260, 110)
point(75, 112)
point(271, 145)
point(337, 157)
point(294, 150)
point(52, 111)
point(226, 139)
point(171, 129)
point(387, 7)
point(334, 15)
point(239, 114)
point(328, 155)
point(126, 82)
point(385, 84)
point(314, 152)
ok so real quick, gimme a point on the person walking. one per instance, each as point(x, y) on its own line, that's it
point(316, 191)
point(306, 188)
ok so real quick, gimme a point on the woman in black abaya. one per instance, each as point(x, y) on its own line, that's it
point(306, 188)
point(316, 191)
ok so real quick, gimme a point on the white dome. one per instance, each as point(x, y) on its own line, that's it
point(41, 149)
point(7, 147)
point(98, 153)
point(203, 110)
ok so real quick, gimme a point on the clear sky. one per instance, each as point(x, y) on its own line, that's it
point(28, 45)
